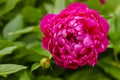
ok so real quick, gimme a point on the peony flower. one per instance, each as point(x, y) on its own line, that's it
point(75, 36)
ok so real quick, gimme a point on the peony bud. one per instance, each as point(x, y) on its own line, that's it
point(45, 63)
point(102, 1)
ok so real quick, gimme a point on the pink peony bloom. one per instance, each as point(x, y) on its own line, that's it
point(75, 36)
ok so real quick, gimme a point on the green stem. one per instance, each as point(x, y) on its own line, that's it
point(115, 55)
point(50, 56)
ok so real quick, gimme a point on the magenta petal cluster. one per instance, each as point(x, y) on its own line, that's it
point(75, 36)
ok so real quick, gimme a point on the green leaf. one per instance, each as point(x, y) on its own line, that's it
point(0, 36)
point(8, 47)
point(31, 14)
point(7, 50)
point(91, 2)
point(33, 57)
point(107, 17)
point(110, 6)
point(5, 76)
point(35, 66)
point(19, 44)
point(25, 76)
point(2, 1)
point(48, 7)
point(48, 78)
point(14, 25)
point(88, 74)
point(10, 68)
point(41, 51)
point(105, 9)
point(10, 4)
point(111, 68)
point(29, 2)
point(59, 5)
point(5, 43)
point(114, 33)
point(36, 47)
point(25, 30)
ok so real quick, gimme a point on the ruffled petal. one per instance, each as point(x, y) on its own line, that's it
point(76, 4)
point(105, 25)
point(45, 20)
point(45, 42)
point(88, 41)
point(103, 46)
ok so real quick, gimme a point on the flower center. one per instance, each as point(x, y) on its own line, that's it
point(71, 38)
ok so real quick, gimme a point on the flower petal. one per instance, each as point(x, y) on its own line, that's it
point(105, 25)
point(45, 42)
point(46, 20)
point(76, 4)
point(88, 41)
point(103, 46)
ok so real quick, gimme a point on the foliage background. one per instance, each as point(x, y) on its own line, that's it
point(20, 42)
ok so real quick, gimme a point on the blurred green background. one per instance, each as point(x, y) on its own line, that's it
point(20, 42)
